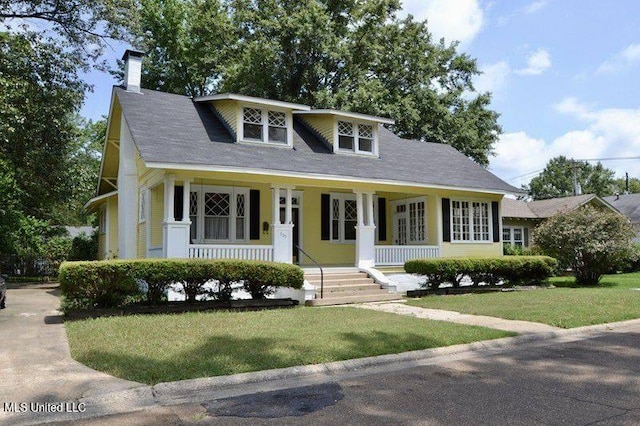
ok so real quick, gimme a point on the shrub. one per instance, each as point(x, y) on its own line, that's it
point(590, 241)
point(489, 270)
point(84, 247)
point(96, 284)
point(113, 282)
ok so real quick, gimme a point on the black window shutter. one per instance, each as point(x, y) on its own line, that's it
point(495, 213)
point(325, 216)
point(254, 214)
point(178, 193)
point(446, 220)
point(525, 236)
point(382, 219)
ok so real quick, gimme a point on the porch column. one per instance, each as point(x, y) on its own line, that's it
point(365, 232)
point(175, 235)
point(282, 233)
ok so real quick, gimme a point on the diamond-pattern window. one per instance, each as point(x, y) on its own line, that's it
point(193, 204)
point(350, 210)
point(345, 128)
point(365, 131)
point(253, 116)
point(216, 204)
point(240, 205)
point(336, 209)
point(277, 118)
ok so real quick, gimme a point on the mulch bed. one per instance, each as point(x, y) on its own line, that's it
point(182, 307)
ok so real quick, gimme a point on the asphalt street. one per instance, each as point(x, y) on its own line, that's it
point(595, 380)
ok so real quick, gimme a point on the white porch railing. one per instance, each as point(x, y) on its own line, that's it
point(397, 255)
point(243, 252)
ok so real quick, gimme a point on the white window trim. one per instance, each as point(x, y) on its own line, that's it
point(265, 125)
point(406, 202)
point(489, 218)
point(233, 192)
point(355, 151)
point(342, 197)
point(102, 220)
point(143, 205)
point(511, 241)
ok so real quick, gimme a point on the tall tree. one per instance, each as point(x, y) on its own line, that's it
point(557, 179)
point(344, 54)
point(82, 25)
point(40, 89)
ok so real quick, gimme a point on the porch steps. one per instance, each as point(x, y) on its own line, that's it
point(346, 287)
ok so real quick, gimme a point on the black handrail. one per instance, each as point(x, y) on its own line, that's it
point(319, 267)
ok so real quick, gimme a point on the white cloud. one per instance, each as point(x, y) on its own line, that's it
point(612, 132)
point(535, 6)
point(493, 77)
point(628, 57)
point(537, 63)
point(452, 19)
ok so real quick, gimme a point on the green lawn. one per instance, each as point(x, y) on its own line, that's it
point(613, 300)
point(159, 348)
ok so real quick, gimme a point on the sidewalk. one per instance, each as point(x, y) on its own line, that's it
point(520, 327)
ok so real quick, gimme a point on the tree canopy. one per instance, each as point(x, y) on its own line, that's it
point(557, 179)
point(344, 54)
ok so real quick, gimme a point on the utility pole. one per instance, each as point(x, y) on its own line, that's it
point(626, 182)
point(577, 189)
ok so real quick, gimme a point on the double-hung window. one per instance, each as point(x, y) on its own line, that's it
point(470, 221)
point(218, 214)
point(513, 236)
point(344, 217)
point(102, 224)
point(355, 137)
point(142, 208)
point(261, 125)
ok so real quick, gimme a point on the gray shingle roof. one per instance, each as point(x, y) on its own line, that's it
point(169, 128)
point(542, 209)
point(627, 204)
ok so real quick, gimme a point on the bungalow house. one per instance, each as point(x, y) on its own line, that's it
point(234, 176)
point(628, 205)
point(519, 218)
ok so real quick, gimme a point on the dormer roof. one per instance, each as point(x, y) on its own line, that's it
point(251, 100)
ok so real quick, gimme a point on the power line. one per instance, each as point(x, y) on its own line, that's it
point(581, 159)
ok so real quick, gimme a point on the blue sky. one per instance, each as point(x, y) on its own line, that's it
point(564, 76)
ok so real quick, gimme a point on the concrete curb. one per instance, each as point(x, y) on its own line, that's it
point(204, 389)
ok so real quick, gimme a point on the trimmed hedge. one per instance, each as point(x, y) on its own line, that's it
point(513, 270)
point(110, 283)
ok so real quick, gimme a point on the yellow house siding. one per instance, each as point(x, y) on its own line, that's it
point(112, 206)
point(102, 241)
point(323, 125)
point(470, 249)
point(142, 240)
point(324, 252)
point(156, 198)
point(229, 111)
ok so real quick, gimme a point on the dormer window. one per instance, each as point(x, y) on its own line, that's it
point(260, 125)
point(355, 137)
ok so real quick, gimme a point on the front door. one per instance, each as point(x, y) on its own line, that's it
point(296, 230)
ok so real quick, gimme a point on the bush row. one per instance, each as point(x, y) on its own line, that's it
point(100, 284)
point(491, 270)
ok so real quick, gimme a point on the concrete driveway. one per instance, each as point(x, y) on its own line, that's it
point(35, 363)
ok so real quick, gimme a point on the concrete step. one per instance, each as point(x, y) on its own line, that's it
point(349, 276)
point(348, 287)
point(338, 282)
point(345, 293)
point(328, 301)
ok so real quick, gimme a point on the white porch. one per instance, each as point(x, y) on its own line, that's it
point(281, 226)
